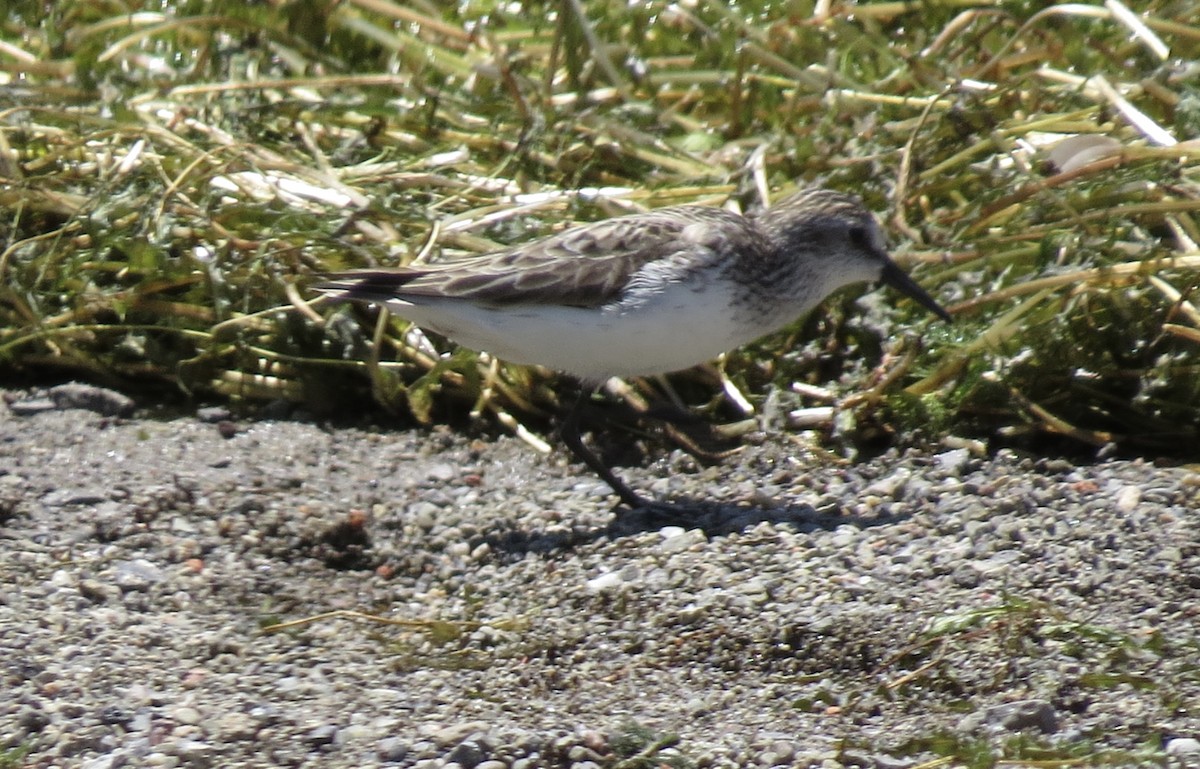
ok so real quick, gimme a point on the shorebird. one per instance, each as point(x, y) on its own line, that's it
point(643, 294)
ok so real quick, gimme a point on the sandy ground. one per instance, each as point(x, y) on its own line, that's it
point(799, 612)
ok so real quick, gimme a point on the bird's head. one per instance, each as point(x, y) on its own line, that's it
point(843, 239)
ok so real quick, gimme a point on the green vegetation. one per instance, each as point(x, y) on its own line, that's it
point(172, 176)
point(1026, 751)
point(12, 758)
point(1112, 662)
point(641, 748)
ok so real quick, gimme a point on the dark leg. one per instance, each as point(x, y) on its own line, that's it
point(574, 442)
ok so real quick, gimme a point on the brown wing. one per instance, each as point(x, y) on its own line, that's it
point(584, 266)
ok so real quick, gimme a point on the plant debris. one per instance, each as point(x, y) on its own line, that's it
point(173, 176)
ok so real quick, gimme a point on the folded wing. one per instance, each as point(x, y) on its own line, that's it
point(585, 266)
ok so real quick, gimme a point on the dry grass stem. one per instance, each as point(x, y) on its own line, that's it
point(170, 183)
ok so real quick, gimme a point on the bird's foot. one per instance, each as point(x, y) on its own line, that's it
point(639, 513)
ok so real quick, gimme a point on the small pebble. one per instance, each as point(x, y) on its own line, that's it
point(1183, 746)
point(171, 600)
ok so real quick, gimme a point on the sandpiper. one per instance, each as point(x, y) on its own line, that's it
point(642, 294)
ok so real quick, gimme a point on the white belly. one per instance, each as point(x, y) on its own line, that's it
point(674, 329)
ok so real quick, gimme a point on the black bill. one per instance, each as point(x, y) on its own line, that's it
point(899, 280)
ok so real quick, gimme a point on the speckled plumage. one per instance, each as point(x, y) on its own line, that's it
point(645, 293)
point(642, 294)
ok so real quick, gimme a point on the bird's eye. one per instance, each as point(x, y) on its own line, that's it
point(859, 237)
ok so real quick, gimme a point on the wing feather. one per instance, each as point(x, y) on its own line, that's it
point(585, 266)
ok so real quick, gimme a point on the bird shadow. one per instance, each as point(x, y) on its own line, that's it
point(713, 519)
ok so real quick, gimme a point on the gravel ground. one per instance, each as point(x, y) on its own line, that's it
point(812, 613)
